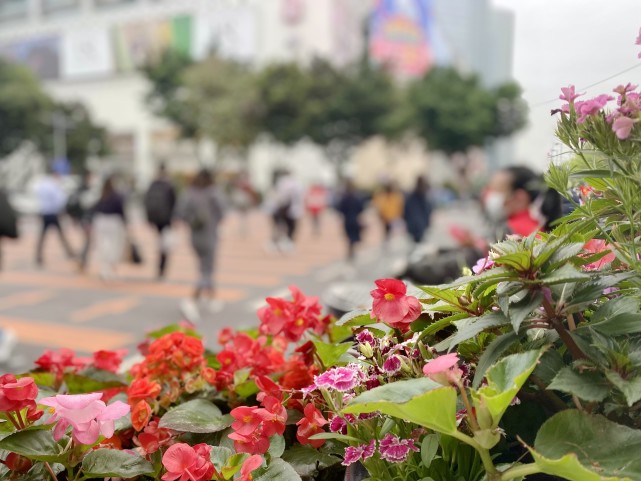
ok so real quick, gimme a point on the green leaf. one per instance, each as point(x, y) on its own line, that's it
point(37, 445)
point(583, 447)
point(329, 354)
point(631, 389)
point(589, 386)
point(105, 463)
point(219, 456)
point(441, 324)
point(305, 459)
point(470, 327)
point(504, 380)
point(278, 470)
point(520, 261)
point(421, 401)
point(276, 446)
point(196, 416)
point(565, 253)
point(77, 384)
point(246, 389)
point(617, 317)
point(520, 311)
point(339, 437)
point(358, 318)
point(233, 465)
point(492, 353)
point(172, 328)
point(449, 296)
point(567, 273)
point(429, 448)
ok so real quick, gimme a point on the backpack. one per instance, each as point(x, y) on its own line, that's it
point(159, 202)
point(8, 218)
point(74, 207)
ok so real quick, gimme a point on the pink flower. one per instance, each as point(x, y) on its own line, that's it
point(591, 107)
point(596, 246)
point(312, 423)
point(340, 378)
point(188, 463)
point(638, 41)
point(392, 306)
point(359, 453)
point(568, 94)
point(251, 464)
point(86, 413)
point(483, 264)
point(365, 336)
point(622, 126)
point(338, 425)
point(392, 364)
point(395, 450)
point(17, 394)
point(624, 89)
point(444, 369)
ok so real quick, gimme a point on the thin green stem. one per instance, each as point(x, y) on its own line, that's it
point(20, 420)
point(468, 407)
point(13, 420)
point(53, 475)
point(519, 471)
point(486, 459)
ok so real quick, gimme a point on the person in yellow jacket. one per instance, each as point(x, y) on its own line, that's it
point(389, 203)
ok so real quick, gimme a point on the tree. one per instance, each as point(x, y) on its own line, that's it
point(23, 105)
point(222, 98)
point(166, 98)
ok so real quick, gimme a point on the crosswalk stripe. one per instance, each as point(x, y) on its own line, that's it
point(27, 298)
point(104, 308)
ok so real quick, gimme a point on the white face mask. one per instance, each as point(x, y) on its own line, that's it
point(495, 206)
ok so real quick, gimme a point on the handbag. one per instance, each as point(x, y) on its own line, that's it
point(8, 218)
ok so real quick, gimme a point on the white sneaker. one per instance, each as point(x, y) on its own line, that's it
point(8, 341)
point(190, 310)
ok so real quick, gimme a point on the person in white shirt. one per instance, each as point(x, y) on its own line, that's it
point(51, 203)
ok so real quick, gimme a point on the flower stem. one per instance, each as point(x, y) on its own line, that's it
point(486, 459)
point(13, 420)
point(20, 420)
point(53, 475)
point(565, 336)
point(468, 407)
point(520, 471)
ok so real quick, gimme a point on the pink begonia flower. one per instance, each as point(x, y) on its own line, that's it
point(340, 378)
point(444, 369)
point(86, 413)
point(395, 450)
point(251, 464)
point(624, 89)
point(393, 306)
point(638, 41)
point(622, 126)
point(568, 94)
point(595, 246)
point(188, 463)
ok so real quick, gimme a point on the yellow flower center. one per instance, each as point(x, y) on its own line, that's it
point(51, 410)
point(299, 322)
point(389, 297)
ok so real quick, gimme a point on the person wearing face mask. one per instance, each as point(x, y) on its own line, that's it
point(518, 202)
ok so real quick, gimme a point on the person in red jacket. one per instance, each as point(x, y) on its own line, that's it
point(316, 202)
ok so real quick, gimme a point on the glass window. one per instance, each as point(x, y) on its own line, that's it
point(53, 6)
point(112, 3)
point(12, 9)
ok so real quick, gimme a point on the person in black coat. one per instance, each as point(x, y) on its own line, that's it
point(351, 205)
point(418, 210)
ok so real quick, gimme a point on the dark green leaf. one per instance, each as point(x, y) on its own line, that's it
point(470, 327)
point(520, 261)
point(492, 353)
point(219, 456)
point(195, 416)
point(588, 386)
point(564, 253)
point(105, 463)
point(631, 388)
point(276, 446)
point(278, 470)
point(583, 447)
point(37, 445)
point(618, 316)
point(519, 312)
point(77, 384)
point(357, 318)
point(305, 460)
point(429, 448)
point(567, 273)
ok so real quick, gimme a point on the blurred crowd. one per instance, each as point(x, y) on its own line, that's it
point(515, 201)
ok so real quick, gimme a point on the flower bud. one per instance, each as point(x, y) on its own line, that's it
point(366, 349)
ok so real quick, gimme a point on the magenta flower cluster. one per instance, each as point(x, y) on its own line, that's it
point(391, 448)
point(340, 378)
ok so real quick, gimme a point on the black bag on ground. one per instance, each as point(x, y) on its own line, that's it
point(8, 218)
point(443, 266)
point(134, 256)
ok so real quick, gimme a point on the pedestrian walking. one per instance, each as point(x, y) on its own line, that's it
point(79, 210)
point(243, 199)
point(418, 210)
point(202, 209)
point(160, 201)
point(290, 206)
point(351, 205)
point(52, 201)
point(316, 202)
point(388, 203)
point(110, 229)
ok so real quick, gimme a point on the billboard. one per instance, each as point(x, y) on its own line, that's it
point(400, 36)
point(40, 54)
point(86, 53)
point(230, 32)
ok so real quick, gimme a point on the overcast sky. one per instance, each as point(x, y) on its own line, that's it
point(562, 42)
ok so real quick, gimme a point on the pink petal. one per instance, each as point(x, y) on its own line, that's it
point(59, 429)
point(88, 434)
point(440, 364)
point(114, 411)
point(77, 401)
point(390, 311)
point(107, 428)
point(179, 457)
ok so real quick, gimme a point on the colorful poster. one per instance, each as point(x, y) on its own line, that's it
point(138, 43)
point(400, 33)
point(87, 53)
point(292, 11)
point(40, 54)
